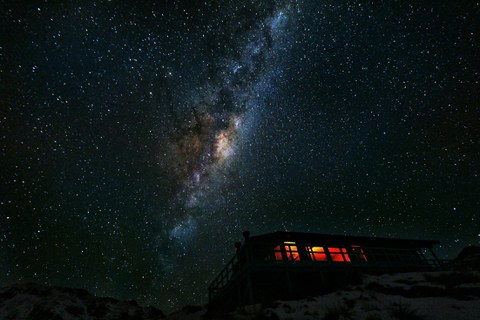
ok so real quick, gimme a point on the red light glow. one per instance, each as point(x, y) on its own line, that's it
point(317, 253)
point(338, 254)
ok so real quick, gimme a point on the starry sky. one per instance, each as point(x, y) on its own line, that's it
point(138, 139)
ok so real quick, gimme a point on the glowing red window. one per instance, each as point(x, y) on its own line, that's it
point(278, 253)
point(316, 253)
point(338, 254)
point(291, 251)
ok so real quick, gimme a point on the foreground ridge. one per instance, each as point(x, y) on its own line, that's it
point(35, 301)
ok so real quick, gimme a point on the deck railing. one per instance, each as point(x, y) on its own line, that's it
point(224, 277)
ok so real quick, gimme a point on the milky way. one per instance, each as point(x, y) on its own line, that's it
point(206, 141)
point(139, 139)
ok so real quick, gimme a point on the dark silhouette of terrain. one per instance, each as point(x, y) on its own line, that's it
point(35, 301)
point(454, 291)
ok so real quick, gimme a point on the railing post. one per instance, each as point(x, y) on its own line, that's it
point(289, 283)
point(249, 288)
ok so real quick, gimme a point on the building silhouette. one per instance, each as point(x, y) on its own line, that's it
point(292, 265)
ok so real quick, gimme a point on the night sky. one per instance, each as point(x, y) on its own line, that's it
point(138, 139)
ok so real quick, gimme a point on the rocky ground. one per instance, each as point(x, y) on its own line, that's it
point(34, 301)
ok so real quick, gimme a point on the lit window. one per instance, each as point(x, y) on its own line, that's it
point(338, 254)
point(291, 251)
point(359, 254)
point(278, 253)
point(316, 253)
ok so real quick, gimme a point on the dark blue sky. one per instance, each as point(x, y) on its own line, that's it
point(139, 140)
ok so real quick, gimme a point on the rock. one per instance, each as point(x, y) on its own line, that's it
point(34, 301)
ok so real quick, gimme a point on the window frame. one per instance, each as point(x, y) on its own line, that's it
point(287, 251)
point(316, 253)
point(338, 254)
